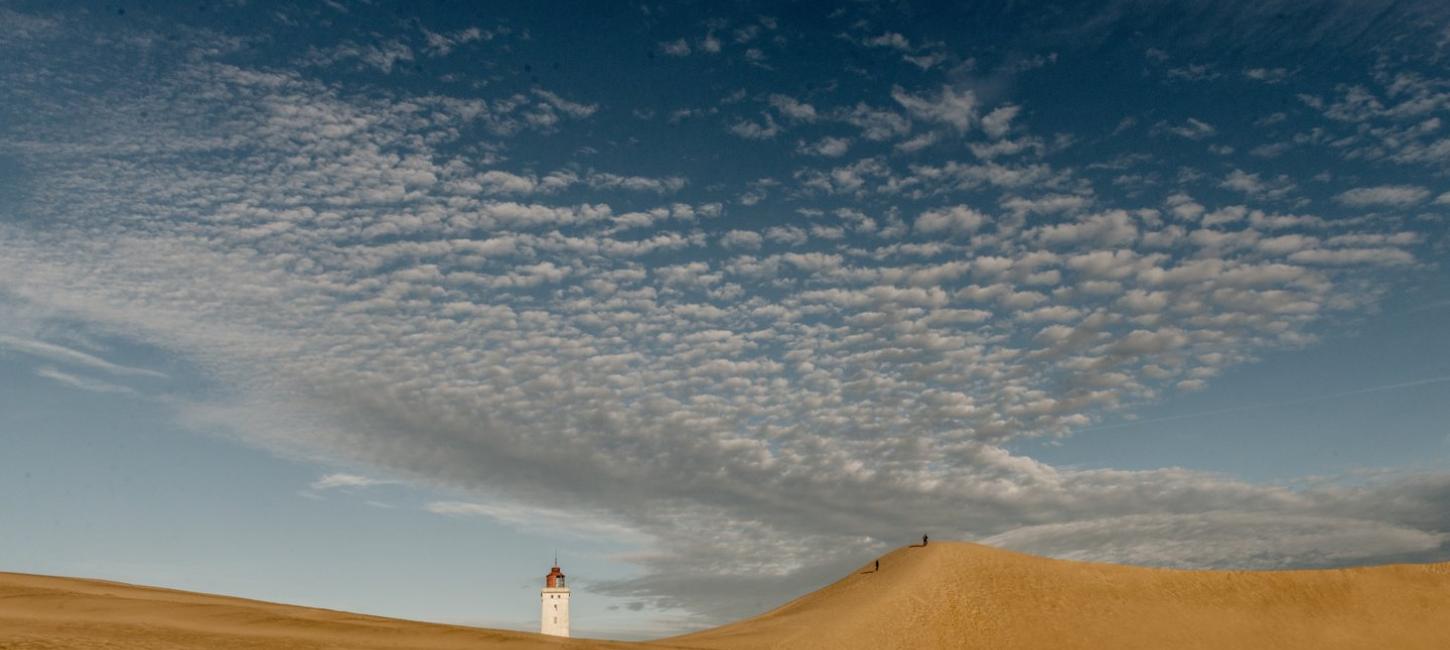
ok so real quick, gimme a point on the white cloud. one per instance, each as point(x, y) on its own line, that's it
point(381, 56)
point(664, 185)
point(83, 383)
point(762, 130)
point(745, 239)
point(677, 47)
point(570, 108)
point(1253, 185)
point(892, 40)
point(918, 142)
point(792, 108)
point(70, 356)
point(710, 44)
point(829, 147)
point(1267, 75)
point(342, 480)
point(789, 235)
point(875, 124)
point(926, 61)
point(1111, 228)
point(998, 122)
point(1395, 196)
point(958, 219)
point(1192, 129)
point(444, 44)
point(949, 106)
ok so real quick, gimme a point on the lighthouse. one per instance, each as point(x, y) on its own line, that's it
point(554, 603)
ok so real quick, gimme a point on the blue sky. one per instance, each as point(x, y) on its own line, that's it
point(375, 306)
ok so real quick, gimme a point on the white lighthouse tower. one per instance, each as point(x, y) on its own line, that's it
point(554, 603)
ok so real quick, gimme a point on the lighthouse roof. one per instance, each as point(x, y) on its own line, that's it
point(555, 577)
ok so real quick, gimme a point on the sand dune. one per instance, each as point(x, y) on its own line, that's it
point(70, 613)
point(957, 595)
point(946, 595)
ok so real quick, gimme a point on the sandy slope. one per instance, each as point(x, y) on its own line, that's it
point(70, 613)
point(947, 595)
point(957, 595)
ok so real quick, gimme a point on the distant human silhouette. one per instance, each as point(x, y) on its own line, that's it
point(878, 565)
point(923, 540)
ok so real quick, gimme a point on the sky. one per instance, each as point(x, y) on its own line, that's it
point(378, 306)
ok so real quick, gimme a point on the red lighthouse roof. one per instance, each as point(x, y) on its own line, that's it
point(555, 578)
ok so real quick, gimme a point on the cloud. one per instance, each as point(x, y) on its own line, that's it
point(444, 44)
point(1238, 540)
point(828, 147)
point(763, 130)
point(793, 108)
point(1396, 196)
point(950, 107)
point(1194, 72)
point(875, 124)
point(998, 122)
point(741, 239)
point(924, 57)
point(891, 40)
point(677, 47)
point(1112, 228)
point(381, 56)
point(1267, 75)
point(83, 383)
point(61, 354)
point(958, 219)
point(1253, 185)
point(664, 185)
point(572, 109)
point(710, 44)
point(340, 480)
point(1192, 129)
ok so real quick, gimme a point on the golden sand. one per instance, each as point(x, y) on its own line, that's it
point(957, 595)
point(74, 614)
point(946, 595)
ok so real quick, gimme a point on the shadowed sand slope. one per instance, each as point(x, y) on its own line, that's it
point(957, 595)
point(44, 612)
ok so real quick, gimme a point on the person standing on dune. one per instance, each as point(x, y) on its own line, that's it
point(923, 540)
point(878, 566)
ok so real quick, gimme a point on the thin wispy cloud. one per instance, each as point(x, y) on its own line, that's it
point(83, 383)
point(61, 354)
point(340, 480)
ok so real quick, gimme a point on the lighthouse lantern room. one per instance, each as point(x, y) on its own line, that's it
point(554, 604)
